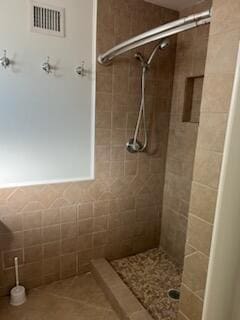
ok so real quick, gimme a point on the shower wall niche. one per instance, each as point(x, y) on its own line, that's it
point(192, 99)
point(183, 129)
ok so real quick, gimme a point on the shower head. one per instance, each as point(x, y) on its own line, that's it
point(163, 44)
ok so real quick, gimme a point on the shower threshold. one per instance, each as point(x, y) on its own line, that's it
point(141, 282)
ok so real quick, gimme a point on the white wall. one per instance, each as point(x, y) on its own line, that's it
point(46, 122)
point(223, 285)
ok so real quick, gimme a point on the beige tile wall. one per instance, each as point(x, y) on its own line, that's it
point(56, 229)
point(190, 62)
point(219, 74)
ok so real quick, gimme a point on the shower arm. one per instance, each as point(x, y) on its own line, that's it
point(158, 33)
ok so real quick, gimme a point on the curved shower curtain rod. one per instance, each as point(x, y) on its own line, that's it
point(158, 33)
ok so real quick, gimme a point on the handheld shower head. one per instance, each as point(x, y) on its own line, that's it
point(160, 46)
point(164, 44)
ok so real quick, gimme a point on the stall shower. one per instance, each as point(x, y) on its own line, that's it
point(154, 276)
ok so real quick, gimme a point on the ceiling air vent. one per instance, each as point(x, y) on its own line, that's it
point(47, 19)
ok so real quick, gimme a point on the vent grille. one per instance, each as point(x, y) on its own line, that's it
point(47, 19)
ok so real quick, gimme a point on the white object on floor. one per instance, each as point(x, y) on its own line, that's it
point(18, 293)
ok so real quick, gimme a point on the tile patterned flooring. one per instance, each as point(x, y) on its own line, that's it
point(78, 298)
point(150, 275)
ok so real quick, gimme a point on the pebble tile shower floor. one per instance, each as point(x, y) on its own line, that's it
point(78, 298)
point(150, 275)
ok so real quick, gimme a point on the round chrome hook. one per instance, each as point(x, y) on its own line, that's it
point(5, 62)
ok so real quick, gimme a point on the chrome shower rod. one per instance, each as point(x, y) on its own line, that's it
point(158, 33)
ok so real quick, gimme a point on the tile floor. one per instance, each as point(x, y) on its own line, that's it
point(150, 275)
point(78, 298)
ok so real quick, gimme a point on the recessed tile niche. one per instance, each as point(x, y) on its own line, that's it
point(192, 99)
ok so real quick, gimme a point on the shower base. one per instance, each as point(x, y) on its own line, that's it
point(150, 275)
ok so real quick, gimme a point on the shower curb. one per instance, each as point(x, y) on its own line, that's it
point(119, 295)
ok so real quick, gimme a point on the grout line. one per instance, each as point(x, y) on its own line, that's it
point(205, 186)
point(183, 314)
point(78, 301)
point(198, 218)
point(198, 148)
point(197, 250)
point(194, 293)
point(190, 254)
point(214, 113)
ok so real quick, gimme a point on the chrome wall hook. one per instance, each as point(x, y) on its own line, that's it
point(46, 66)
point(81, 70)
point(5, 61)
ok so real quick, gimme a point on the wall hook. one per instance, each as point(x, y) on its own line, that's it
point(81, 70)
point(5, 61)
point(47, 67)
